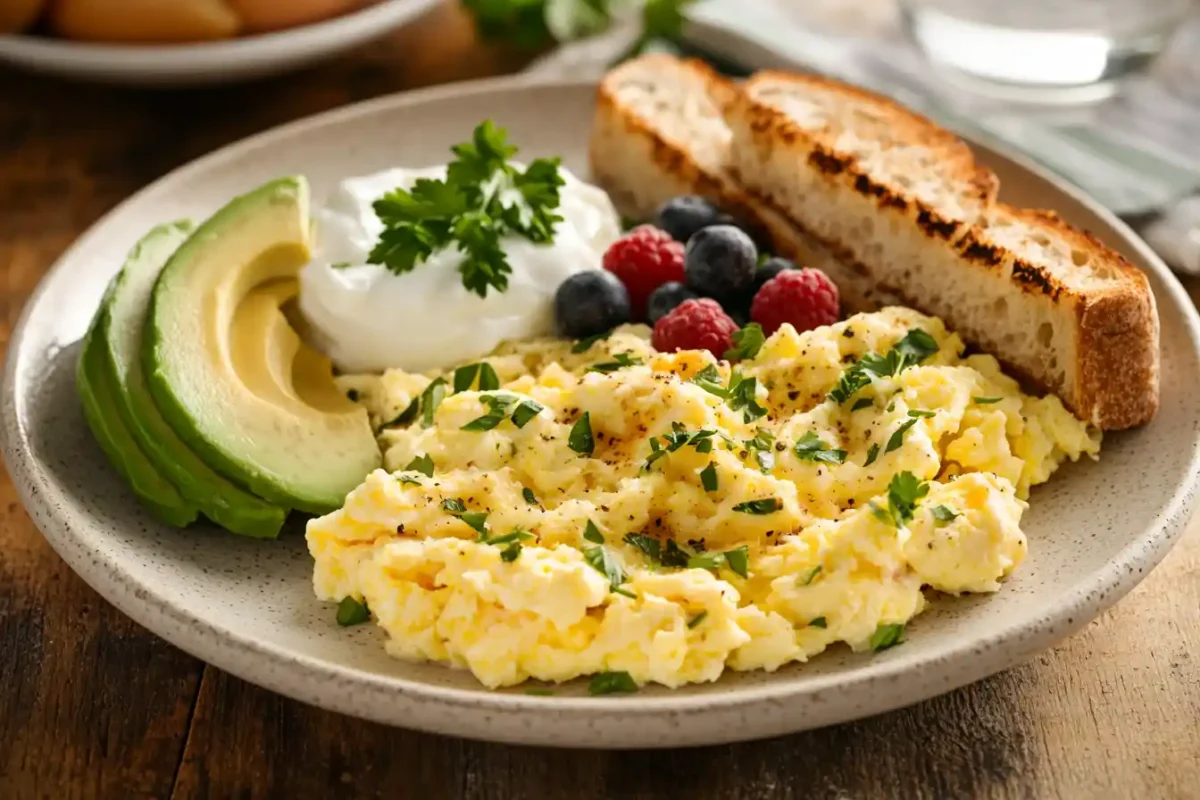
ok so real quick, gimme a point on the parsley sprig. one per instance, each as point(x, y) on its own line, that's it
point(904, 491)
point(740, 394)
point(677, 439)
point(482, 198)
point(915, 347)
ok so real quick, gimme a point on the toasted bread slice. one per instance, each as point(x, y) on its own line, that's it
point(901, 201)
point(895, 210)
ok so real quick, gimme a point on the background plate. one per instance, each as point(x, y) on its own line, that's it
point(247, 606)
point(209, 62)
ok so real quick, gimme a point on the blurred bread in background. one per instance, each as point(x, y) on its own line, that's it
point(165, 21)
point(17, 15)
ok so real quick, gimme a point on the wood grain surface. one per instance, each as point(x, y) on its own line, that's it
point(93, 706)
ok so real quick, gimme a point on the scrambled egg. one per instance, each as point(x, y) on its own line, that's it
point(670, 515)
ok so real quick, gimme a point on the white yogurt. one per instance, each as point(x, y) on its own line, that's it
point(367, 319)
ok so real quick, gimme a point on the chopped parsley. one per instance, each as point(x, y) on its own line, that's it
point(476, 519)
point(944, 514)
point(352, 612)
point(872, 454)
point(482, 198)
point(760, 445)
point(738, 560)
point(529, 496)
point(746, 342)
point(897, 437)
point(526, 410)
point(422, 464)
point(915, 347)
point(407, 415)
point(583, 345)
point(708, 477)
point(862, 402)
point(986, 401)
point(515, 535)
point(431, 398)
point(673, 555)
point(464, 378)
point(650, 546)
point(625, 359)
point(592, 533)
point(767, 505)
point(678, 438)
point(511, 553)
point(696, 620)
point(580, 439)
point(819, 622)
point(904, 491)
point(498, 408)
point(807, 578)
point(453, 505)
point(919, 413)
point(539, 691)
point(886, 636)
point(809, 447)
point(709, 379)
point(404, 478)
point(611, 683)
point(742, 391)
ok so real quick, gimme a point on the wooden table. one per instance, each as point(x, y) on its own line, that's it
point(91, 705)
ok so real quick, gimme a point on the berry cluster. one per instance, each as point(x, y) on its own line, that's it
point(695, 275)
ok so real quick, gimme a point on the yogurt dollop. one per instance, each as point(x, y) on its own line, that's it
point(368, 319)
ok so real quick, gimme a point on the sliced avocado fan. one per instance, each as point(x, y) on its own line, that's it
point(94, 383)
point(122, 329)
point(293, 454)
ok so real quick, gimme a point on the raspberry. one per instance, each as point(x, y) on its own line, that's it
point(695, 325)
point(806, 298)
point(644, 259)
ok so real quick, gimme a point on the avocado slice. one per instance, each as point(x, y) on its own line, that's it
point(293, 454)
point(94, 384)
point(217, 498)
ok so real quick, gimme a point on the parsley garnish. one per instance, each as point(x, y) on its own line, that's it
point(819, 622)
point(709, 379)
point(809, 577)
point(611, 683)
point(515, 535)
point(944, 514)
point(583, 345)
point(810, 448)
point(696, 620)
point(464, 378)
point(580, 439)
point(986, 401)
point(904, 491)
point(673, 555)
point(916, 412)
point(650, 546)
point(351, 612)
point(737, 560)
point(604, 561)
point(708, 477)
point(476, 519)
point(768, 505)
point(482, 198)
point(529, 496)
point(409, 479)
point(526, 410)
point(498, 407)
point(746, 342)
point(915, 347)
point(622, 360)
point(511, 553)
point(592, 533)
point(407, 415)
point(862, 402)
point(886, 636)
point(431, 398)
point(422, 464)
point(742, 397)
point(897, 437)
point(872, 454)
point(539, 691)
point(679, 437)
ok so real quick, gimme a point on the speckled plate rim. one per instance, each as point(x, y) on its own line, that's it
point(513, 717)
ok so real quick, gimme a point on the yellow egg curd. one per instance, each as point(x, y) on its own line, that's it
point(574, 508)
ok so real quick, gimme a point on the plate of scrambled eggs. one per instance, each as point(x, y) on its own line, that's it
point(589, 542)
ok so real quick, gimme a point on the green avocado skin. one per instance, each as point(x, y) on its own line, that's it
point(93, 382)
point(121, 328)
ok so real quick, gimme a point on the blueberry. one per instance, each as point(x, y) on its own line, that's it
point(770, 268)
point(664, 299)
point(720, 262)
point(683, 216)
point(590, 302)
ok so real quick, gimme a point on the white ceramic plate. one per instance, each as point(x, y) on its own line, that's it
point(247, 606)
point(209, 62)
